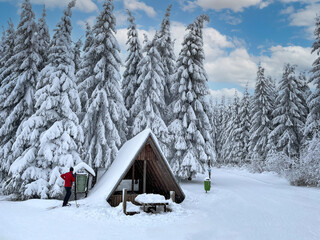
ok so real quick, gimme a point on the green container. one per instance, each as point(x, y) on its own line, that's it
point(207, 184)
point(81, 183)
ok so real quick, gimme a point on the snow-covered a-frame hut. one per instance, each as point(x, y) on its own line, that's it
point(140, 167)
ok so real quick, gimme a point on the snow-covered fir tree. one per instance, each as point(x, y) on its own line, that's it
point(190, 128)
point(6, 69)
point(303, 92)
point(165, 46)
point(84, 76)
point(77, 55)
point(48, 143)
point(226, 128)
point(148, 108)
point(307, 172)
point(287, 123)
point(105, 119)
point(2, 46)
point(261, 121)
point(131, 72)
point(211, 108)
point(244, 127)
point(43, 39)
point(21, 82)
point(232, 145)
point(7, 45)
point(219, 128)
point(312, 125)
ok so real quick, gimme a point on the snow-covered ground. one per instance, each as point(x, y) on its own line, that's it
point(241, 205)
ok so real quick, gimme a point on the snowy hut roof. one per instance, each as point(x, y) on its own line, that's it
point(120, 166)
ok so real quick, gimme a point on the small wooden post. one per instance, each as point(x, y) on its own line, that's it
point(144, 176)
point(173, 196)
point(132, 183)
point(124, 200)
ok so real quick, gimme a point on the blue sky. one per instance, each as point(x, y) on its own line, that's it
point(240, 34)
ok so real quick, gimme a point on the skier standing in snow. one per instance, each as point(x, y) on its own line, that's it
point(68, 179)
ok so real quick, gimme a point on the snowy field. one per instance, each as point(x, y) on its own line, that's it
point(241, 205)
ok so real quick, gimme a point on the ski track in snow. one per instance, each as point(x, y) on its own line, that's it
point(240, 206)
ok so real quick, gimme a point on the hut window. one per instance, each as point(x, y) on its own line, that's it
point(127, 183)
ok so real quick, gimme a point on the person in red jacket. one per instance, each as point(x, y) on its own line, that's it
point(68, 179)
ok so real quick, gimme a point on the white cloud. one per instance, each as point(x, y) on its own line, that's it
point(235, 5)
point(280, 55)
point(288, 10)
point(229, 18)
point(264, 4)
point(136, 5)
point(303, 17)
point(238, 67)
point(82, 5)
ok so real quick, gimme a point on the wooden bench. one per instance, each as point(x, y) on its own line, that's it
point(154, 206)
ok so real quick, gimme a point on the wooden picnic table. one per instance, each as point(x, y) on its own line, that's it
point(152, 201)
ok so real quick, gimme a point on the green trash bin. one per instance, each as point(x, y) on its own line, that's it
point(207, 184)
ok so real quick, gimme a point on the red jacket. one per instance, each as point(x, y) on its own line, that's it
point(68, 179)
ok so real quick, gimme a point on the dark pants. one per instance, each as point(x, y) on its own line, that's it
point(68, 194)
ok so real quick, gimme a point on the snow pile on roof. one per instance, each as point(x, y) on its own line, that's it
point(85, 166)
point(118, 168)
point(150, 198)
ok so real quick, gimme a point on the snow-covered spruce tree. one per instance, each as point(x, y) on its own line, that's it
point(165, 46)
point(49, 141)
point(77, 55)
point(232, 145)
point(105, 119)
point(149, 105)
point(219, 116)
point(211, 108)
point(131, 72)
point(6, 69)
point(2, 46)
point(288, 127)
point(312, 125)
point(303, 92)
point(244, 129)
point(21, 82)
point(307, 172)
point(7, 45)
point(84, 76)
point(227, 122)
point(43, 39)
point(261, 122)
point(190, 128)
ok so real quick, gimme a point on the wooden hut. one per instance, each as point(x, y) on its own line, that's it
point(140, 167)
